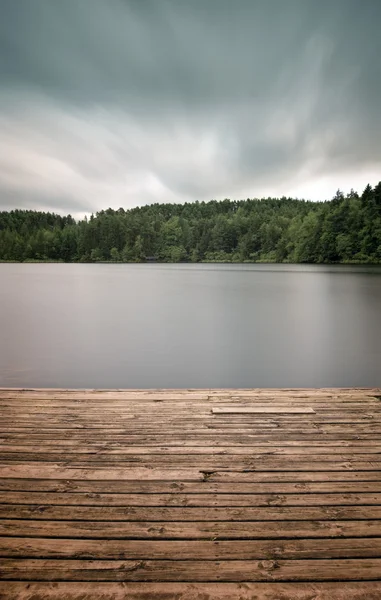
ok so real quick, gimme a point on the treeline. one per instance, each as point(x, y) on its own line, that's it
point(345, 229)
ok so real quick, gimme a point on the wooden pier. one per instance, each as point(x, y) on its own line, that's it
point(190, 494)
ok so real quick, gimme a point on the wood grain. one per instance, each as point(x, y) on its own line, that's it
point(369, 590)
point(190, 494)
point(330, 569)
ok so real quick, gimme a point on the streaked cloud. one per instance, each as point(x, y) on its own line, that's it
point(126, 102)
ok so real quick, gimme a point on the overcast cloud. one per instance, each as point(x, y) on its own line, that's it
point(128, 102)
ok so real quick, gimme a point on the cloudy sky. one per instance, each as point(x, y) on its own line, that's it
point(128, 102)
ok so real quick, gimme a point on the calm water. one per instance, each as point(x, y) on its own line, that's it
point(189, 326)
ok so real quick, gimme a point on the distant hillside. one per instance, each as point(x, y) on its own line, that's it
point(346, 229)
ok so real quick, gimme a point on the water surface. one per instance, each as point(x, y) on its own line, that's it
point(147, 326)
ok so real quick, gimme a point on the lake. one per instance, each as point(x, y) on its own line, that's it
point(189, 326)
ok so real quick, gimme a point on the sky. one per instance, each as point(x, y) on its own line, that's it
point(120, 103)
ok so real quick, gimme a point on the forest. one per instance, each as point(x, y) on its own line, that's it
point(346, 229)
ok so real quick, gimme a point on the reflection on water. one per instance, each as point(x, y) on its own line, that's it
point(189, 325)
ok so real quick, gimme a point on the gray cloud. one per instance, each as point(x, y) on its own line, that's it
point(125, 102)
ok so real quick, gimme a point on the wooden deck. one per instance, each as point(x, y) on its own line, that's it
point(190, 494)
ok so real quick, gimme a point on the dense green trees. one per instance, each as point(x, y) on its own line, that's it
point(346, 229)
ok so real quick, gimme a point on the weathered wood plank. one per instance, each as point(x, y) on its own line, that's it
point(45, 471)
point(180, 499)
point(149, 513)
point(220, 460)
point(163, 469)
point(369, 590)
point(174, 550)
point(215, 530)
point(367, 569)
point(241, 410)
point(190, 487)
point(58, 447)
point(189, 439)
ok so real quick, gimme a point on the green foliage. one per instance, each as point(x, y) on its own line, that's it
point(346, 229)
point(114, 254)
point(96, 255)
